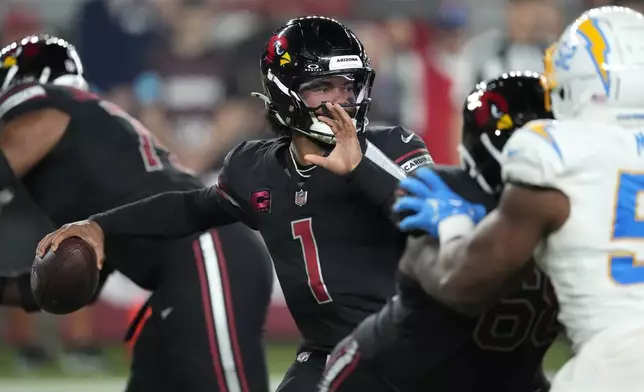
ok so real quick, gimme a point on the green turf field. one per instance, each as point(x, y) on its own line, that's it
point(52, 379)
point(280, 356)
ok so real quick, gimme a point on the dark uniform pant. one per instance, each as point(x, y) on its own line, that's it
point(205, 330)
point(383, 356)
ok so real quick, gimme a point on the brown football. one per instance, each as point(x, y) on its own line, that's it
point(66, 280)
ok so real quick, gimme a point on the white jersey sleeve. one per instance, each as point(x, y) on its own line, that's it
point(533, 155)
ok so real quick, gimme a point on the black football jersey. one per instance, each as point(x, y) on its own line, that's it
point(502, 349)
point(105, 159)
point(335, 252)
point(334, 248)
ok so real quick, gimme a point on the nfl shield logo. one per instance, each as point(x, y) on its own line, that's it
point(300, 197)
point(303, 356)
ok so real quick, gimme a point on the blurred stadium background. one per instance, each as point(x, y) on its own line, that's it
point(186, 68)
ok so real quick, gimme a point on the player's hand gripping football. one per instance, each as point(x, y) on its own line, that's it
point(430, 201)
point(346, 154)
point(87, 230)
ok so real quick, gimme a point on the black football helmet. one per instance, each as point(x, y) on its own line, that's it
point(305, 49)
point(40, 59)
point(491, 114)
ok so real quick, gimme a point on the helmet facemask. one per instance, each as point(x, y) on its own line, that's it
point(297, 115)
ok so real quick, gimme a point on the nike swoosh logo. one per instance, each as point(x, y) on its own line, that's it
point(406, 139)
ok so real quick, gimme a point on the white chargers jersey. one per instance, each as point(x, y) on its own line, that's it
point(593, 259)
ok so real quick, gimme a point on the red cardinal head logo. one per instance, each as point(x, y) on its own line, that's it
point(277, 47)
point(493, 106)
point(30, 50)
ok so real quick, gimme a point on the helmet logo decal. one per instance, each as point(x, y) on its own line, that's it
point(493, 105)
point(9, 62)
point(345, 62)
point(277, 47)
point(597, 47)
point(30, 50)
point(547, 80)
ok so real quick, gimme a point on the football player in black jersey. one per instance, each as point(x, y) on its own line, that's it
point(319, 193)
point(418, 344)
point(77, 154)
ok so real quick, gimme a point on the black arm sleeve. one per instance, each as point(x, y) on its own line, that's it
point(168, 215)
point(376, 184)
point(389, 156)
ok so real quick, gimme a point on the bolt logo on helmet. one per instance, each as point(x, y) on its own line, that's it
point(595, 67)
point(40, 59)
point(597, 47)
point(491, 114)
point(303, 50)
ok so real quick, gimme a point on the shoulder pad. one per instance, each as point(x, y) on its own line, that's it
point(249, 153)
point(533, 155)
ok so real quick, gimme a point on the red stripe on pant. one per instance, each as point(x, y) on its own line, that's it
point(346, 372)
point(207, 309)
point(230, 311)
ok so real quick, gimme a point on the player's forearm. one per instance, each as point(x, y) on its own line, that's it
point(419, 262)
point(432, 266)
point(168, 215)
point(376, 184)
point(454, 277)
point(469, 272)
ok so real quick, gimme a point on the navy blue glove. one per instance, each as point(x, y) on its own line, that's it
point(431, 201)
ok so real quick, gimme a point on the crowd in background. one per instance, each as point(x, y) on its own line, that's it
point(186, 68)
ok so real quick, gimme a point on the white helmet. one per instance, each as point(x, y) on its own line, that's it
point(598, 62)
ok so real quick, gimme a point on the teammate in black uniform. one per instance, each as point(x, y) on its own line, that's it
point(77, 154)
point(417, 344)
point(320, 194)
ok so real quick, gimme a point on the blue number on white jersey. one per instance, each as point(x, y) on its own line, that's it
point(627, 225)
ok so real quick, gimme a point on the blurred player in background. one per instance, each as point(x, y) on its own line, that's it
point(572, 198)
point(319, 193)
point(78, 154)
point(80, 353)
point(417, 343)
